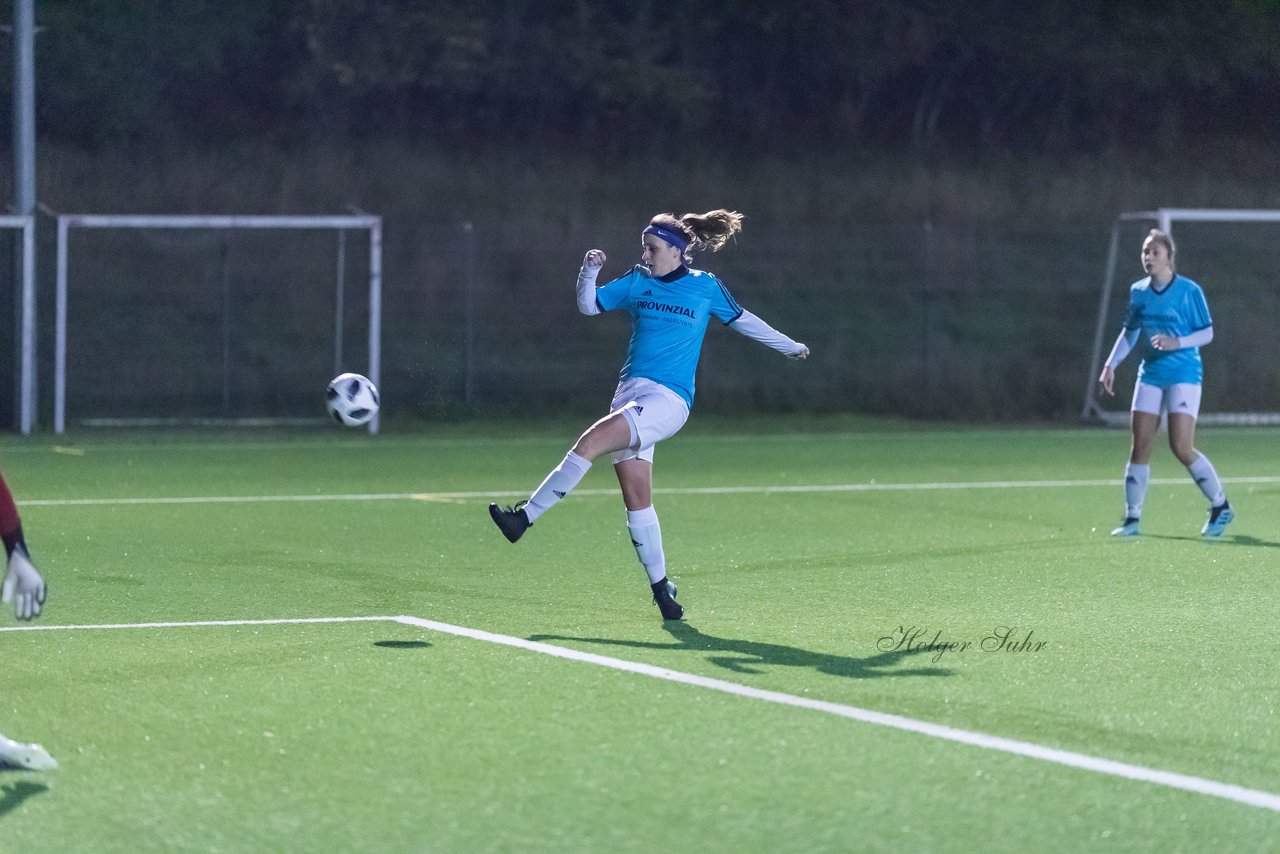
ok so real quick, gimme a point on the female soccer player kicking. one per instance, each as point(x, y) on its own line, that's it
point(24, 589)
point(1169, 314)
point(670, 305)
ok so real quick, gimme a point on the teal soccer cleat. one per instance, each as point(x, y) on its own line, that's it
point(1128, 528)
point(1219, 518)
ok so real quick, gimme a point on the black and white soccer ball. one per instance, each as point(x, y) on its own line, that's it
point(352, 400)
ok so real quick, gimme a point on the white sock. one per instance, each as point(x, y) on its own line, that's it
point(1206, 477)
point(557, 485)
point(646, 536)
point(1135, 488)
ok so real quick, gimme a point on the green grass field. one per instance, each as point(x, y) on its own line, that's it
point(799, 548)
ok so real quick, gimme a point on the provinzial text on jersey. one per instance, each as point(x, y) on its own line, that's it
point(662, 306)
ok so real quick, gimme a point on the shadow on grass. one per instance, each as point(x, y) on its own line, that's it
point(401, 644)
point(1251, 541)
point(12, 796)
point(1229, 540)
point(744, 656)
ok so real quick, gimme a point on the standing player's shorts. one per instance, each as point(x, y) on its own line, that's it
point(1179, 398)
point(654, 412)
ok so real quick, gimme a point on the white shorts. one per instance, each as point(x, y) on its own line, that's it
point(654, 412)
point(1179, 399)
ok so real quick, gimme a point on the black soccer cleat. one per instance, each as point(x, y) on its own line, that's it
point(664, 593)
point(511, 521)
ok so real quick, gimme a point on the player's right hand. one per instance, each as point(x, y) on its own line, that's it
point(594, 260)
point(23, 586)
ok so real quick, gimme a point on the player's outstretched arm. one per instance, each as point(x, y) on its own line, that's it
point(23, 586)
point(755, 328)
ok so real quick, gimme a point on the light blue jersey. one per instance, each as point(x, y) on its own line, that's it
point(1178, 310)
point(669, 317)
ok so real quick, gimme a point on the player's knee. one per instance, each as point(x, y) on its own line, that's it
point(605, 436)
point(586, 447)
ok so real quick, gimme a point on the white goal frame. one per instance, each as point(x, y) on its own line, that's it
point(1164, 218)
point(27, 321)
point(66, 222)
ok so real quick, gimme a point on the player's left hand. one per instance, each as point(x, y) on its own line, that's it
point(23, 587)
point(799, 355)
point(1160, 341)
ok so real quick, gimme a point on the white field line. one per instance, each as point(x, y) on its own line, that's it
point(1198, 785)
point(692, 490)
point(365, 443)
point(198, 623)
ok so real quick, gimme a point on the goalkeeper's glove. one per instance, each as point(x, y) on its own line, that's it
point(23, 586)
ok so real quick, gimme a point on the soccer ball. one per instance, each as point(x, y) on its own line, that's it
point(352, 400)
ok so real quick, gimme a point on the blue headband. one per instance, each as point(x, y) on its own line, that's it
point(673, 237)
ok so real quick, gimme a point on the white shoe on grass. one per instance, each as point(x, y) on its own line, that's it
point(32, 757)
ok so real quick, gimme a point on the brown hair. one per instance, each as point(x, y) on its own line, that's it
point(1157, 236)
point(710, 230)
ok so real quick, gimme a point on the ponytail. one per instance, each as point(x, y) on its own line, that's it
point(710, 230)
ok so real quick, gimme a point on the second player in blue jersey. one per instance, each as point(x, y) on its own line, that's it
point(1169, 320)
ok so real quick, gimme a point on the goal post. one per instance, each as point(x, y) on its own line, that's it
point(1231, 280)
point(26, 313)
point(67, 223)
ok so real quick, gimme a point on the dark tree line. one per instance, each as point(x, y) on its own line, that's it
point(1037, 75)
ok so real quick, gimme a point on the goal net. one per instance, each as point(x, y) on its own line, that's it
point(24, 292)
point(212, 319)
point(1235, 256)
